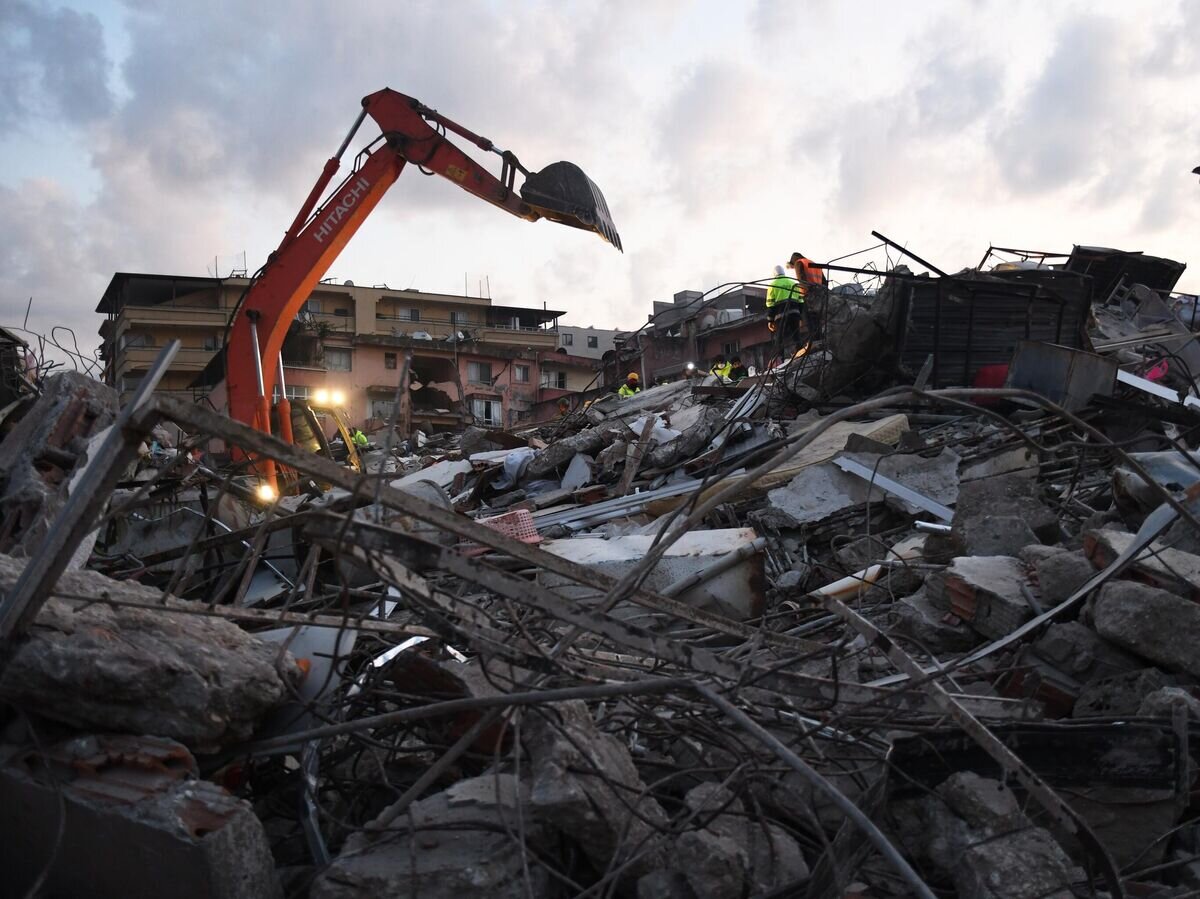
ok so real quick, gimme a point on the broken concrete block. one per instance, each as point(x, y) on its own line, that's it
point(454, 844)
point(981, 802)
point(1153, 623)
point(1027, 864)
point(583, 784)
point(738, 592)
point(136, 822)
point(934, 630)
point(727, 855)
point(554, 457)
point(612, 456)
point(1161, 703)
point(1121, 694)
point(43, 451)
point(935, 478)
point(1061, 574)
point(1161, 565)
point(816, 493)
point(1080, 652)
point(690, 442)
point(1010, 496)
point(993, 535)
point(984, 591)
point(199, 680)
point(441, 473)
point(975, 833)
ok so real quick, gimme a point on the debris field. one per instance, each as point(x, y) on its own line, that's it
point(913, 613)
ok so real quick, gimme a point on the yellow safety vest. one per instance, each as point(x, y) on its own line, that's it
point(785, 290)
point(627, 391)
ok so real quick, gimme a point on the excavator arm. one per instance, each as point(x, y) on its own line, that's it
point(411, 133)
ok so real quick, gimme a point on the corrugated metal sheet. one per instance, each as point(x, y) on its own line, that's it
point(967, 323)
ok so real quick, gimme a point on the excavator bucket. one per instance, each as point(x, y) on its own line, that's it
point(563, 193)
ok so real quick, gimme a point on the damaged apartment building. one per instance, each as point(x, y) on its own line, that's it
point(911, 613)
point(474, 361)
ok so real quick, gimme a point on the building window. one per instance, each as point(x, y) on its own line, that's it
point(338, 358)
point(344, 313)
point(479, 372)
point(521, 373)
point(593, 343)
point(389, 360)
point(312, 307)
point(293, 393)
point(556, 379)
point(460, 317)
point(131, 339)
point(486, 410)
point(412, 315)
point(382, 409)
point(730, 349)
point(210, 343)
point(568, 339)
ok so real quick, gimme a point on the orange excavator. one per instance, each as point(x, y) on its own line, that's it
point(410, 133)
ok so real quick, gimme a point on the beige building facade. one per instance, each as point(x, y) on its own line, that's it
point(472, 360)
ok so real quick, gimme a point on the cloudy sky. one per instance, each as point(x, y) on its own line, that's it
point(157, 135)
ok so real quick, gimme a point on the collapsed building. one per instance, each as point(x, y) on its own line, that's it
point(912, 613)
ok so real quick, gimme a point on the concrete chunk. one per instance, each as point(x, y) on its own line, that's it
point(1153, 623)
point(137, 823)
point(458, 847)
point(727, 855)
point(984, 591)
point(202, 681)
point(584, 782)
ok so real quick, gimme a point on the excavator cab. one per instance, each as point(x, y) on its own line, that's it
point(562, 193)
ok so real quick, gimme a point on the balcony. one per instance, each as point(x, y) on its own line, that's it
point(176, 316)
point(327, 321)
point(484, 332)
point(141, 357)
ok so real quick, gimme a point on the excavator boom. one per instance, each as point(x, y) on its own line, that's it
point(410, 133)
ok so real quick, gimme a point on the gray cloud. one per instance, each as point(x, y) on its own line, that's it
point(54, 64)
point(1069, 118)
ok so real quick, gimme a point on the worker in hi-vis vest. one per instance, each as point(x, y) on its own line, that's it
point(785, 309)
point(631, 386)
point(813, 279)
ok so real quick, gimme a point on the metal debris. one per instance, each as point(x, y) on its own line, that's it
point(908, 613)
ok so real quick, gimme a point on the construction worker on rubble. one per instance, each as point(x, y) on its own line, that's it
point(631, 386)
point(359, 438)
point(737, 371)
point(720, 367)
point(810, 276)
point(785, 308)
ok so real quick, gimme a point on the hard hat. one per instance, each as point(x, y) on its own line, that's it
point(779, 269)
point(632, 376)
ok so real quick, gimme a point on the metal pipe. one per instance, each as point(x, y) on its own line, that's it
point(284, 407)
point(264, 406)
point(911, 255)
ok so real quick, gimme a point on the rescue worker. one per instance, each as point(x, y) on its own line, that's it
point(810, 276)
point(631, 386)
point(737, 371)
point(720, 367)
point(360, 439)
point(785, 309)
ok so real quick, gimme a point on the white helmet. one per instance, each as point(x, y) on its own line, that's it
point(779, 269)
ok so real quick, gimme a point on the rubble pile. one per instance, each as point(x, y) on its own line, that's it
point(850, 627)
